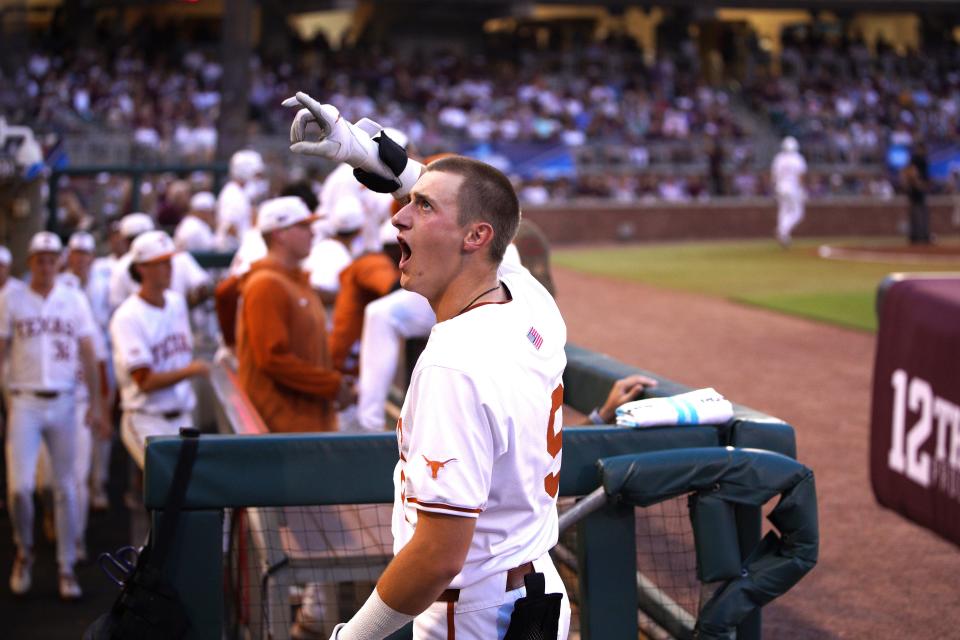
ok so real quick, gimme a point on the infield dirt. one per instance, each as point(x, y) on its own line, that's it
point(879, 576)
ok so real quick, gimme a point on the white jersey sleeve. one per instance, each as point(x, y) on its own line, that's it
point(131, 348)
point(448, 470)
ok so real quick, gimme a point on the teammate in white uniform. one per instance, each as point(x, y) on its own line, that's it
point(189, 279)
point(46, 331)
point(195, 231)
point(329, 256)
point(788, 171)
point(153, 349)
point(81, 248)
point(237, 199)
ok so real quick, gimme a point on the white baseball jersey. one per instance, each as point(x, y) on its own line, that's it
point(145, 336)
point(187, 276)
point(480, 428)
point(234, 216)
point(193, 234)
point(326, 260)
point(45, 337)
point(787, 170)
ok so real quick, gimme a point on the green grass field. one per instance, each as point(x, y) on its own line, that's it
point(757, 272)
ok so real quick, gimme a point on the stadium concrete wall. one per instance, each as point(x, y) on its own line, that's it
point(602, 222)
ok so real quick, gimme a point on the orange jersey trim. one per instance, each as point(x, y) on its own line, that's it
point(440, 505)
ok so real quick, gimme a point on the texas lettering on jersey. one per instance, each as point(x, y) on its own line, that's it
point(170, 346)
point(37, 326)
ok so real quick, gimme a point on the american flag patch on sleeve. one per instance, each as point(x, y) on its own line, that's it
point(535, 338)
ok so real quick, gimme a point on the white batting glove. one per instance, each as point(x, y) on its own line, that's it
point(382, 166)
point(339, 140)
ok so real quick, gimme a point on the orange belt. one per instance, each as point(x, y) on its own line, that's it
point(514, 581)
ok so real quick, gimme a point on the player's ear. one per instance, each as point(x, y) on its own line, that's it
point(479, 234)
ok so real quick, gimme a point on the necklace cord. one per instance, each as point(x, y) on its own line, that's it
point(470, 304)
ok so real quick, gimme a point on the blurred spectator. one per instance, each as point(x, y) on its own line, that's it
point(195, 231)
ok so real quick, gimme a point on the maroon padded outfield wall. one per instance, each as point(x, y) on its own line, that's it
point(915, 421)
point(605, 222)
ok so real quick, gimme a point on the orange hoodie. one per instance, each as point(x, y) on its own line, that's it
point(367, 278)
point(284, 365)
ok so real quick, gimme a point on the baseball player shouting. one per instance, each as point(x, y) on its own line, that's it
point(153, 349)
point(480, 429)
point(46, 330)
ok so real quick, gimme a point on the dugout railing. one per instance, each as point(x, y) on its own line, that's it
point(238, 471)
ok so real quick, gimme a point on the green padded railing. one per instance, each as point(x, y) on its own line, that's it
point(286, 469)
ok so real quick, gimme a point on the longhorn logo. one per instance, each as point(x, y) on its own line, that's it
point(436, 465)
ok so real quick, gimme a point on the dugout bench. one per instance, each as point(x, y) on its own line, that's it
point(237, 471)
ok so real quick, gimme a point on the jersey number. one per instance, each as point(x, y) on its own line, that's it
point(551, 483)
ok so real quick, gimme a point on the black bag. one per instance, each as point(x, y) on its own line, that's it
point(536, 616)
point(148, 607)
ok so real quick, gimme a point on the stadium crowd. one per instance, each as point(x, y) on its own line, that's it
point(613, 110)
point(847, 105)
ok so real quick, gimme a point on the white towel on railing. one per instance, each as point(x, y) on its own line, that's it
point(703, 406)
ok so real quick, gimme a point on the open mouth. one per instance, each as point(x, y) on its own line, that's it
point(405, 251)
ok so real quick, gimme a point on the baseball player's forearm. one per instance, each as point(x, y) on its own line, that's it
point(414, 579)
point(425, 566)
point(4, 350)
point(149, 380)
point(91, 374)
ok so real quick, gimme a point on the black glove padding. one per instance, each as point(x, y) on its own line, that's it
point(392, 155)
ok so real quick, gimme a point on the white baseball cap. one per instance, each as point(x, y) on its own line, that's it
point(245, 164)
point(283, 212)
point(151, 247)
point(347, 215)
point(133, 224)
point(5, 257)
point(82, 241)
point(45, 242)
point(388, 232)
point(203, 201)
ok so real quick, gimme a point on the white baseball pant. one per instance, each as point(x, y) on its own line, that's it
point(136, 427)
point(33, 422)
point(789, 214)
point(387, 321)
point(100, 471)
point(81, 467)
point(472, 617)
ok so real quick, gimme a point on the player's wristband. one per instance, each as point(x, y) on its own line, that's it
point(595, 416)
point(374, 621)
